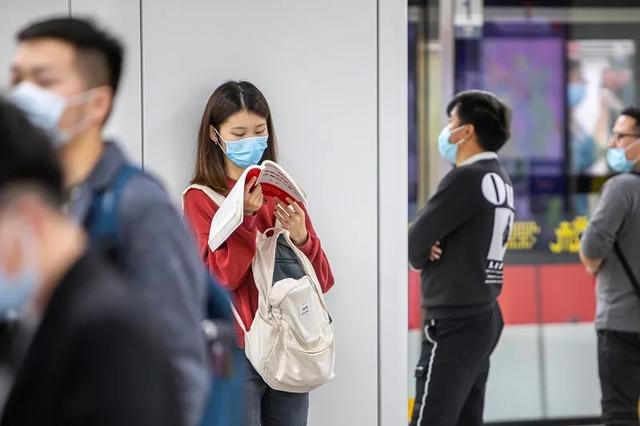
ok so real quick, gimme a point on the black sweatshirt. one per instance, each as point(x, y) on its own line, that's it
point(471, 215)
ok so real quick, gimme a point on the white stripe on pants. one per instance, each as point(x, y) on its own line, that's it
point(428, 379)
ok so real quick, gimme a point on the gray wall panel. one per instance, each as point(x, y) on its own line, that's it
point(122, 17)
point(15, 14)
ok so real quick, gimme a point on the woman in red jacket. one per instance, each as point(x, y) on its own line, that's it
point(237, 132)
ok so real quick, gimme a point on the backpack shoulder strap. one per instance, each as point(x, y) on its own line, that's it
point(102, 221)
point(214, 195)
point(238, 319)
point(218, 199)
point(627, 268)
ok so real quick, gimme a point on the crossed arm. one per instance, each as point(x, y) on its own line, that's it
point(591, 265)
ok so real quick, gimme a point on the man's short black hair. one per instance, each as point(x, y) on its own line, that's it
point(99, 55)
point(633, 112)
point(489, 115)
point(26, 156)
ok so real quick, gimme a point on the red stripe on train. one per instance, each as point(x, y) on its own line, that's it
point(532, 294)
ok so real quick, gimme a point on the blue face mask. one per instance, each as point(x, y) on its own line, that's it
point(576, 93)
point(617, 159)
point(45, 108)
point(448, 150)
point(16, 289)
point(245, 152)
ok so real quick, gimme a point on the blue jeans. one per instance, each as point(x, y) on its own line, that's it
point(268, 407)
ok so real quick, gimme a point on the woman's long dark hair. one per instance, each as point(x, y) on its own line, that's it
point(226, 100)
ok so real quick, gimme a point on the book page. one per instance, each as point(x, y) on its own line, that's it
point(273, 174)
point(229, 215)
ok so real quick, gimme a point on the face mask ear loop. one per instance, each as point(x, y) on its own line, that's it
point(218, 142)
point(80, 98)
point(628, 147)
point(82, 125)
point(461, 141)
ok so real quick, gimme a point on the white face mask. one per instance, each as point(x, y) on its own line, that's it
point(45, 108)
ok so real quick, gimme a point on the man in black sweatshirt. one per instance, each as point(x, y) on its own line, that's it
point(458, 242)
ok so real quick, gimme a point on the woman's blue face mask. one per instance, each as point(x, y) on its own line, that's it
point(244, 152)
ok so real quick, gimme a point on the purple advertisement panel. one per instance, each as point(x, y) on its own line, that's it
point(528, 75)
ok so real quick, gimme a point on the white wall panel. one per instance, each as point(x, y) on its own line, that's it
point(121, 17)
point(14, 15)
point(316, 62)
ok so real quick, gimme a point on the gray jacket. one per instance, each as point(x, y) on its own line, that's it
point(617, 218)
point(156, 253)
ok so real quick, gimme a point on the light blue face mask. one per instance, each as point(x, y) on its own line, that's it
point(576, 93)
point(448, 150)
point(45, 108)
point(245, 152)
point(617, 159)
point(16, 289)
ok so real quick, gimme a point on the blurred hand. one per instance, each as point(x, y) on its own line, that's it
point(436, 252)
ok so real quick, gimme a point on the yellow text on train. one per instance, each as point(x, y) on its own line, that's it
point(568, 235)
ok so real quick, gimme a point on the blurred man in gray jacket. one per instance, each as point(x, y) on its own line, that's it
point(610, 250)
point(65, 75)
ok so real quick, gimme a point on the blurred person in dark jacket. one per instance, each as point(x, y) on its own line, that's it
point(96, 357)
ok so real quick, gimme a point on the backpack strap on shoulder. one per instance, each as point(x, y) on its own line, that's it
point(238, 319)
point(214, 195)
point(102, 220)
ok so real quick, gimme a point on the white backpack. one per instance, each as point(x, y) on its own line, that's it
point(291, 342)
